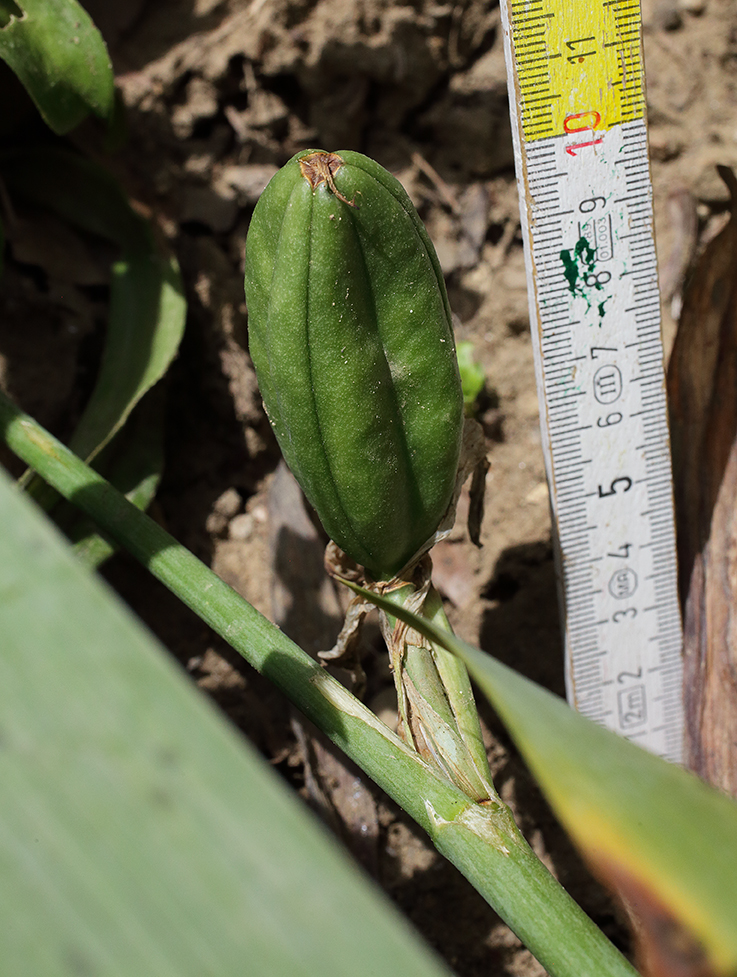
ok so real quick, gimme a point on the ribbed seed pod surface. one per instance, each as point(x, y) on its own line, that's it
point(351, 338)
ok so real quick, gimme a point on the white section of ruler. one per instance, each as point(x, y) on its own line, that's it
point(595, 319)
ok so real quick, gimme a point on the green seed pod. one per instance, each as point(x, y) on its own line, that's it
point(350, 334)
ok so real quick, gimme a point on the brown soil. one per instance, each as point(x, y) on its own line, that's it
point(219, 93)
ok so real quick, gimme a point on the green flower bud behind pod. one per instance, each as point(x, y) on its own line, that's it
point(351, 337)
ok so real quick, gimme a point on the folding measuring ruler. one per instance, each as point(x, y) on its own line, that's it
point(577, 101)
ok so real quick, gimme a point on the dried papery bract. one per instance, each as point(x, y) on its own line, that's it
point(702, 396)
point(320, 168)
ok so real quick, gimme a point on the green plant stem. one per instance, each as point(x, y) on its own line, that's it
point(481, 840)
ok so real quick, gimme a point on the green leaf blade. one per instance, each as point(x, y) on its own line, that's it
point(147, 316)
point(645, 824)
point(60, 57)
point(138, 834)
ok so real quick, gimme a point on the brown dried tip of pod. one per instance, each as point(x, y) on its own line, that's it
point(320, 168)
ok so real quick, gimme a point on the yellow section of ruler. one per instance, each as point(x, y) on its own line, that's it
point(578, 65)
